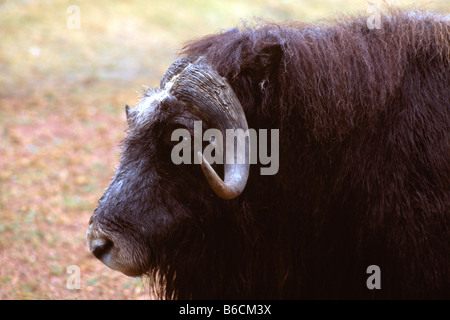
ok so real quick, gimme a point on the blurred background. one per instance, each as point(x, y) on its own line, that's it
point(67, 69)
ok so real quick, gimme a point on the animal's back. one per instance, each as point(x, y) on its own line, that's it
point(364, 121)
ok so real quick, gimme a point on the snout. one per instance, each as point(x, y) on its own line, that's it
point(99, 246)
point(107, 250)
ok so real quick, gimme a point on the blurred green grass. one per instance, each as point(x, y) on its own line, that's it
point(62, 94)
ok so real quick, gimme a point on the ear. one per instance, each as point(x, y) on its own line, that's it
point(127, 112)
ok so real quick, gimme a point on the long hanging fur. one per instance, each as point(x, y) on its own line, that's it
point(364, 173)
point(364, 163)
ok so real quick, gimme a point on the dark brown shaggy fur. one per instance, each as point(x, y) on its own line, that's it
point(365, 154)
point(364, 173)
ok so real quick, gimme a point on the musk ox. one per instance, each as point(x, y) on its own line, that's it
point(364, 166)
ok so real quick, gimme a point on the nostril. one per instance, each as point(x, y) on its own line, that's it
point(100, 246)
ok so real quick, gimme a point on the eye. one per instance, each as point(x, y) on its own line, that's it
point(184, 141)
point(175, 135)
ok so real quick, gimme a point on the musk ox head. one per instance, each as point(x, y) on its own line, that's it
point(152, 204)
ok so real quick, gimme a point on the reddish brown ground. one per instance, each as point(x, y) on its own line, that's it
point(62, 98)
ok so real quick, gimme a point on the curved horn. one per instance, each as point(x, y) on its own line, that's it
point(176, 68)
point(213, 99)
